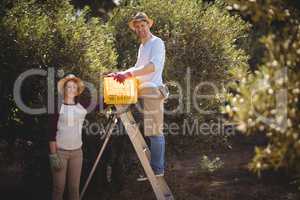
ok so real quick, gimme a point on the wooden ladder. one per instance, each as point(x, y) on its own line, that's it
point(159, 185)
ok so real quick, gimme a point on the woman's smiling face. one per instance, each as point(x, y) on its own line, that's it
point(71, 89)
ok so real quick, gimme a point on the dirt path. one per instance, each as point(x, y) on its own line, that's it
point(232, 182)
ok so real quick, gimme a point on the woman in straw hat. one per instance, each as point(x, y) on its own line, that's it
point(65, 139)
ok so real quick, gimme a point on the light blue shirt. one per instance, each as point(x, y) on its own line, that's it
point(153, 51)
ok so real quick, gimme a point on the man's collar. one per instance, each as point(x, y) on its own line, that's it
point(151, 36)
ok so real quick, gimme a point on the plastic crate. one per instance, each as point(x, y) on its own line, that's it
point(120, 93)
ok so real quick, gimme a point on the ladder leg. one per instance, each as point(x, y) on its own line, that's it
point(140, 139)
point(109, 133)
point(159, 185)
point(137, 136)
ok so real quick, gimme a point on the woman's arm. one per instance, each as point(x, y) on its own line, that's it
point(52, 129)
point(52, 147)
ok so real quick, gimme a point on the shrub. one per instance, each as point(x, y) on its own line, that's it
point(200, 42)
point(267, 101)
point(209, 166)
point(39, 35)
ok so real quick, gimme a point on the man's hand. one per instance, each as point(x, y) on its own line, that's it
point(122, 76)
point(109, 74)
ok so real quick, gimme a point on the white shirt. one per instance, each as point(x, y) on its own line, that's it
point(69, 126)
point(153, 51)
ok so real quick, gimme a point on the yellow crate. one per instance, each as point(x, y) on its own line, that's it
point(118, 93)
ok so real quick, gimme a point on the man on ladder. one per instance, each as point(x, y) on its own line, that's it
point(148, 70)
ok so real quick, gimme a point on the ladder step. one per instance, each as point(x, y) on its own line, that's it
point(159, 185)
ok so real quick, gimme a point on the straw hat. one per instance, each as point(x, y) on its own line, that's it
point(140, 16)
point(78, 81)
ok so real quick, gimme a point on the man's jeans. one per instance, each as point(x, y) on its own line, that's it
point(157, 149)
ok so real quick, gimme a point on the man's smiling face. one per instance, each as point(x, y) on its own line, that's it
point(142, 29)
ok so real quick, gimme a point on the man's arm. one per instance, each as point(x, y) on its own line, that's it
point(156, 63)
point(139, 71)
point(156, 60)
point(143, 70)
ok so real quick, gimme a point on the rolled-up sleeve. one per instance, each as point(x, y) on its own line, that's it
point(157, 56)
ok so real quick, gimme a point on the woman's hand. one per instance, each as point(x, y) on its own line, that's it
point(55, 162)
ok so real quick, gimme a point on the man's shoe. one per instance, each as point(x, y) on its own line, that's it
point(143, 177)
